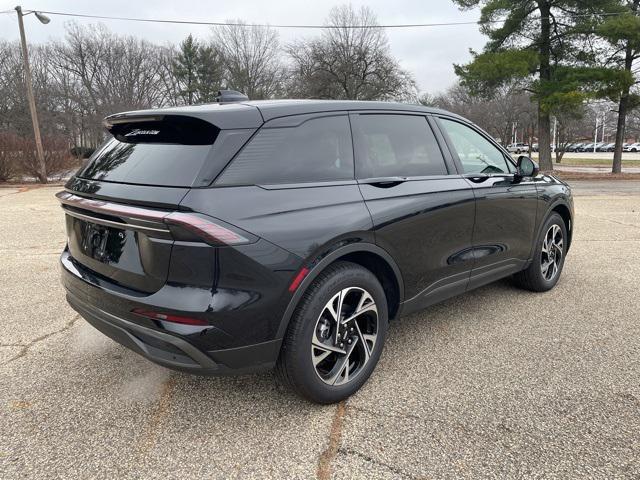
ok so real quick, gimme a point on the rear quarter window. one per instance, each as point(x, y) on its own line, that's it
point(318, 150)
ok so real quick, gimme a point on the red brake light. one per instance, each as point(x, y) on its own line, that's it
point(205, 228)
point(169, 317)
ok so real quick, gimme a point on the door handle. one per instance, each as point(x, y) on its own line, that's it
point(383, 182)
point(477, 177)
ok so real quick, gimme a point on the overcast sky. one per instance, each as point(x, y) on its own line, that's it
point(429, 53)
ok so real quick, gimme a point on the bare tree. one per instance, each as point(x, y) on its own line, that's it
point(349, 63)
point(252, 59)
point(105, 73)
point(506, 110)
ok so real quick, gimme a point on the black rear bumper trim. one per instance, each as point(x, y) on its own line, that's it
point(195, 361)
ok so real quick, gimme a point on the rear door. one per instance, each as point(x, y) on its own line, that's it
point(422, 210)
point(505, 209)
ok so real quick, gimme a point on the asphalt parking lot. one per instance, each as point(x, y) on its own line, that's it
point(498, 383)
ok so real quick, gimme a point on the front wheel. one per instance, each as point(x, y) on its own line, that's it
point(548, 259)
point(336, 335)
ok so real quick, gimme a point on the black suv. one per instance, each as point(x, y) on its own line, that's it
point(228, 238)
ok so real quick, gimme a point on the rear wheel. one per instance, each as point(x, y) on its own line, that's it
point(336, 335)
point(548, 259)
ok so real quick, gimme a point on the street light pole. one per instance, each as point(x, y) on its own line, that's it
point(42, 168)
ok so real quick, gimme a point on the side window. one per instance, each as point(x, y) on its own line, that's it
point(318, 150)
point(397, 145)
point(476, 153)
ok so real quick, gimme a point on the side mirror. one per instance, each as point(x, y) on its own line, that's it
point(526, 167)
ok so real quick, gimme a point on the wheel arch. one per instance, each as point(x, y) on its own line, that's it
point(564, 211)
point(370, 256)
point(562, 207)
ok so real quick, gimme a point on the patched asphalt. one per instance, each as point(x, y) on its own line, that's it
point(497, 383)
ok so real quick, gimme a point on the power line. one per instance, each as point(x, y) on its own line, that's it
point(242, 24)
point(303, 26)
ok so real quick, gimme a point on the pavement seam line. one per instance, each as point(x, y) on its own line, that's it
point(26, 347)
point(325, 462)
point(148, 440)
point(612, 221)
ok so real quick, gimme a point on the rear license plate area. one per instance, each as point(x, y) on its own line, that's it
point(101, 243)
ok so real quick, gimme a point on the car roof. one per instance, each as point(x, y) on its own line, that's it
point(251, 114)
point(279, 108)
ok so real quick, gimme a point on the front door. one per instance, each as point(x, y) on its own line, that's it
point(505, 207)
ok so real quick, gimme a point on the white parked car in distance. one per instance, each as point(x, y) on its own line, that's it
point(518, 148)
point(632, 147)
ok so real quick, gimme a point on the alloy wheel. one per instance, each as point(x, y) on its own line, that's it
point(552, 251)
point(344, 336)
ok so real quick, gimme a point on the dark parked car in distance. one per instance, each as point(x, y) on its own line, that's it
point(221, 239)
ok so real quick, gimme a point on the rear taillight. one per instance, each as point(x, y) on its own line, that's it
point(208, 230)
point(168, 317)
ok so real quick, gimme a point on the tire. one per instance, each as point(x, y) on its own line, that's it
point(535, 277)
point(309, 362)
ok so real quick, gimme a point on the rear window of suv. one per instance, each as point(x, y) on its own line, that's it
point(147, 163)
point(318, 150)
point(170, 151)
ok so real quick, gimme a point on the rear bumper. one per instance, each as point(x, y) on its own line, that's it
point(175, 352)
point(164, 347)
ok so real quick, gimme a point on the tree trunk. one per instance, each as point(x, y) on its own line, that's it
point(544, 139)
point(620, 132)
point(623, 106)
point(544, 118)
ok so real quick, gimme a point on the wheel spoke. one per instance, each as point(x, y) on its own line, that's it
point(367, 308)
point(326, 347)
point(367, 350)
point(364, 299)
point(318, 358)
point(334, 306)
point(331, 308)
point(545, 268)
point(342, 367)
point(365, 304)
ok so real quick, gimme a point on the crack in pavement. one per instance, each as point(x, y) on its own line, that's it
point(609, 220)
point(325, 462)
point(26, 347)
point(367, 458)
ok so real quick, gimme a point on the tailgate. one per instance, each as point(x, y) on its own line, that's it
point(131, 246)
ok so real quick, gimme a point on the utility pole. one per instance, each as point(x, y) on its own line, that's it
point(42, 168)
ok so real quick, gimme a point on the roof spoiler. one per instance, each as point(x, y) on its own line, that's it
point(176, 129)
point(230, 96)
